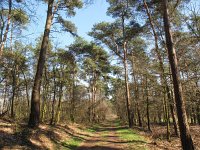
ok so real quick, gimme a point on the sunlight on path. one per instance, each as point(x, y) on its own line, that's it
point(113, 137)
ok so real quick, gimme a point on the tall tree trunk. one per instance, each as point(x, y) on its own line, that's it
point(161, 65)
point(7, 28)
point(186, 139)
point(137, 103)
point(92, 100)
point(147, 101)
point(94, 95)
point(198, 113)
point(128, 101)
point(167, 116)
point(13, 95)
point(89, 112)
point(44, 98)
point(139, 115)
point(45, 92)
point(11, 36)
point(136, 94)
point(54, 98)
point(135, 87)
point(34, 118)
point(4, 97)
point(2, 25)
point(173, 107)
point(14, 87)
point(72, 99)
point(174, 117)
point(57, 116)
point(26, 86)
point(198, 101)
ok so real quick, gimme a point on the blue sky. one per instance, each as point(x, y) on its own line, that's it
point(84, 20)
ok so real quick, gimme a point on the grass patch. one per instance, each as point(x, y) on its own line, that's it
point(72, 143)
point(91, 130)
point(133, 140)
point(129, 135)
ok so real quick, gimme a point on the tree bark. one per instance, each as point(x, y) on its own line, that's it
point(198, 113)
point(139, 115)
point(34, 118)
point(128, 102)
point(167, 116)
point(4, 97)
point(161, 65)
point(93, 97)
point(13, 95)
point(45, 91)
point(7, 28)
point(173, 107)
point(136, 94)
point(54, 98)
point(72, 111)
point(147, 101)
point(2, 26)
point(26, 86)
point(186, 139)
point(14, 88)
point(57, 117)
point(174, 117)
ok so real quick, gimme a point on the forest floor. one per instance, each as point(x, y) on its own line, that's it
point(107, 136)
point(159, 138)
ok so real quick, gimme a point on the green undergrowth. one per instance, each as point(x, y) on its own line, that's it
point(117, 123)
point(72, 143)
point(129, 135)
point(132, 138)
point(92, 129)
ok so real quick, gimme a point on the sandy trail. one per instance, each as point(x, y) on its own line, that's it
point(105, 138)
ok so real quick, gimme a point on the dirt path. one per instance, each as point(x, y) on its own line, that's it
point(106, 138)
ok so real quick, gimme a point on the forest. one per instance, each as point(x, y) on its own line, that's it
point(134, 86)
